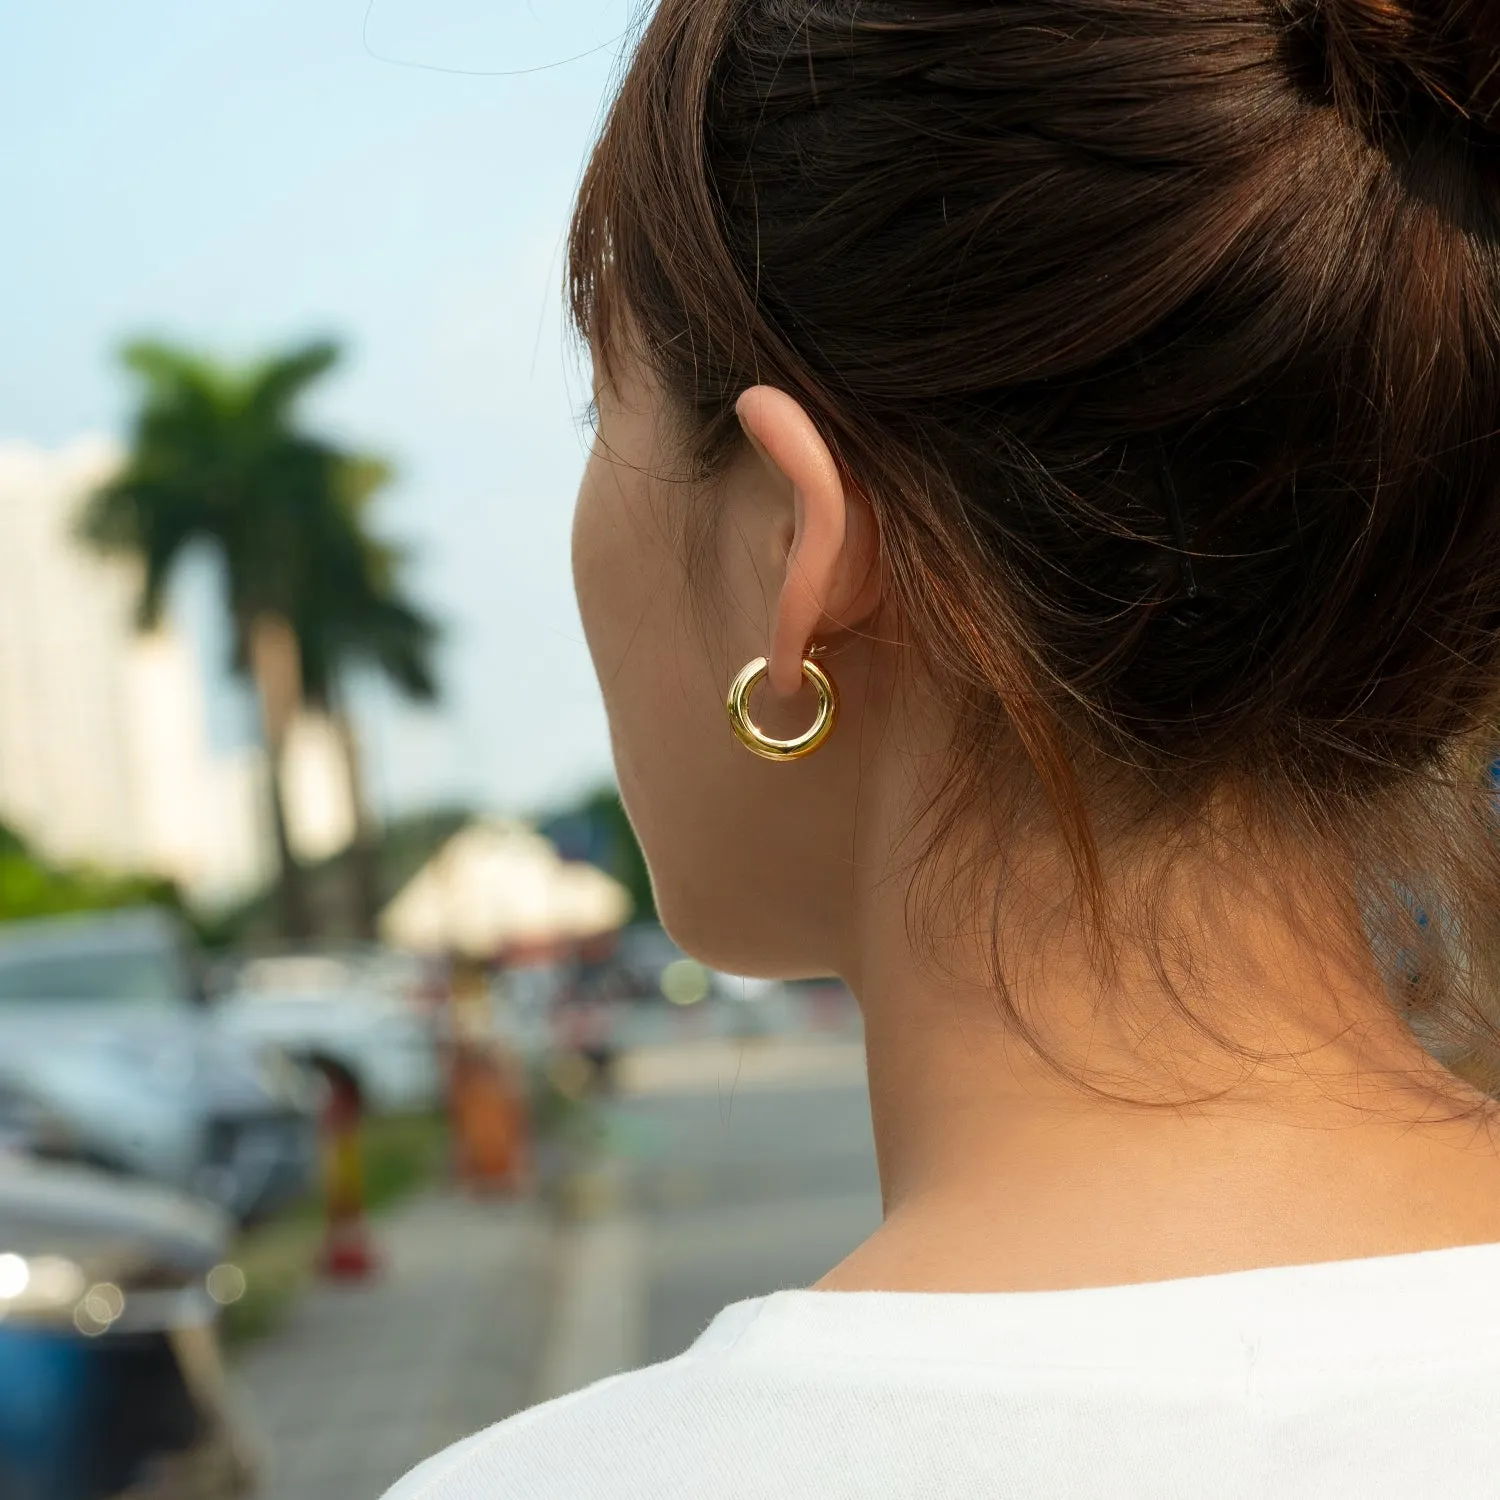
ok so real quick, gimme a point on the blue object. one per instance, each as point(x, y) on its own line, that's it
point(47, 1399)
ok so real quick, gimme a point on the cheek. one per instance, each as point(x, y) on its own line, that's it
point(658, 686)
point(605, 602)
point(678, 764)
point(726, 836)
point(628, 581)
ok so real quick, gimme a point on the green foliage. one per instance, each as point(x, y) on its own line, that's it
point(357, 615)
point(217, 456)
point(598, 830)
point(30, 887)
point(401, 1154)
point(629, 863)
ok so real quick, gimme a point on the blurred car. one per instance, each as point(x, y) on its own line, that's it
point(367, 1014)
point(523, 998)
point(110, 1379)
point(104, 1040)
point(648, 965)
point(643, 954)
point(28, 1128)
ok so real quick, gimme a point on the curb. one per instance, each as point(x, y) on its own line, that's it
point(598, 1312)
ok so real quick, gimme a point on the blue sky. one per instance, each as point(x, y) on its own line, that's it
point(244, 173)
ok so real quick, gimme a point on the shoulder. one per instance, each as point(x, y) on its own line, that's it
point(647, 1432)
point(604, 1441)
point(733, 1416)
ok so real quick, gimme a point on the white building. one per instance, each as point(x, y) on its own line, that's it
point(104, 752)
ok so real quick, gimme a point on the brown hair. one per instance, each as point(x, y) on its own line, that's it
point(1164, 338)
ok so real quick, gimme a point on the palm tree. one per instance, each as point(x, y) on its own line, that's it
point(217, 457)
point(358, 619)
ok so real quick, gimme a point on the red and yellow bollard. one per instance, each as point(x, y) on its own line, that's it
point(348, 1251)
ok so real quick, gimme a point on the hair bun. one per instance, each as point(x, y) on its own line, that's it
point(1383, 58)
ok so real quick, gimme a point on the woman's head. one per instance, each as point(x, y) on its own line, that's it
point(1153, 353)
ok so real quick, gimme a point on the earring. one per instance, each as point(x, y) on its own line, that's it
point(755, 739)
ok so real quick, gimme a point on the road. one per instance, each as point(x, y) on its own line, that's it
point(753, 1180)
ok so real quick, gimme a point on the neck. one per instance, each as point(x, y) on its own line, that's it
point(1265, 1107)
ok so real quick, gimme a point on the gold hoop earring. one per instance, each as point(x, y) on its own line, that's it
point(755, 739)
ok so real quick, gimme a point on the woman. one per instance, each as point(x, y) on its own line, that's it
point(1070, 426)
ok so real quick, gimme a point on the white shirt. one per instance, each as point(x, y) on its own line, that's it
point(1367, 1378)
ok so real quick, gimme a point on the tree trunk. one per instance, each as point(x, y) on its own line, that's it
point(275, 663)
point(364, 852)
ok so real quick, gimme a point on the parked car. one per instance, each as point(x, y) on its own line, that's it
point(110, 1378)
point(643, 955)
point(103, 1033)
point(369, 1014)
point(648, 965)
point(523, 998)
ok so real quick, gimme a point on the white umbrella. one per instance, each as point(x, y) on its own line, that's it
point(495, 883)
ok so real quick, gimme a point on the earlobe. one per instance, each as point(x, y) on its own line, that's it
point(829, 563)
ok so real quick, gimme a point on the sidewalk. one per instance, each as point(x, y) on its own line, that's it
point(728, 1064)
point(484, 1308)
point(364, 1381)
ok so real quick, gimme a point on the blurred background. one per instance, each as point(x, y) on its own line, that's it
point(350, 1097)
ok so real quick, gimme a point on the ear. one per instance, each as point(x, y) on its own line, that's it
point(832, 579)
